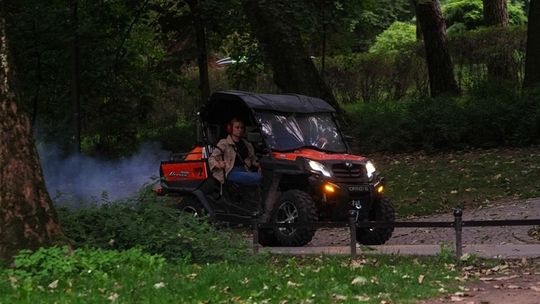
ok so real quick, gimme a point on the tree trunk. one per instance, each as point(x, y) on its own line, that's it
point(499, 64)
point(27, 217)
point(495, 12)
point(75, 77)
point(532, 60)
point(202, 59)
point(294, 71)
point(439, 64)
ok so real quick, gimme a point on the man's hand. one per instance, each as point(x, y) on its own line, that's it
point(220, 164)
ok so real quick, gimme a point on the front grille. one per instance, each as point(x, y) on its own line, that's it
point(349, 174)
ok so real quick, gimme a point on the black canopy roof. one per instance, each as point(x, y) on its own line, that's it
point(224, 105)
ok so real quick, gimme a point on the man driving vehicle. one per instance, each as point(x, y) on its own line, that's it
point(234, 157)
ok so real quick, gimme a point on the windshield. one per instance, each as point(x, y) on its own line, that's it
point(286, 131)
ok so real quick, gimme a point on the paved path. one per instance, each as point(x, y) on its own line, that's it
point(508, 251)
point(504, 242)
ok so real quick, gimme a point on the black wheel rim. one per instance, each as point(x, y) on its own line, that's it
point(191, 210)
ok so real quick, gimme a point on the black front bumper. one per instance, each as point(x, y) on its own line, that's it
point(336, 206)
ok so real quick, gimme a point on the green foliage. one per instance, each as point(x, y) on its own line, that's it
point(472, 50)
point(491, 115)
point(155, 229)
point(462, 15)
point(273, 280)
point(387, 75)
point(380, 76)
point(46, 265)
point(248, 65)
point(396, 38)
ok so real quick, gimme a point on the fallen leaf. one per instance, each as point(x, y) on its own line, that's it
point(339, 297)
point(113, 297)
point(53, 284)
point(535, 288)
point(293, 284)
point(362, 298)
point(359, 281)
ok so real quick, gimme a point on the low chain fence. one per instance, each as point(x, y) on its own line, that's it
point(457, 224)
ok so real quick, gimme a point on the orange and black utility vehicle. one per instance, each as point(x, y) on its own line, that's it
point(309, 173)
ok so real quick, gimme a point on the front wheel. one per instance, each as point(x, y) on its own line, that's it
point(382, 211)
point(294, 206)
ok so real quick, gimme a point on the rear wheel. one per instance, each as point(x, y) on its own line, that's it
point(294, 206)
point(382, 211)
point(191, 205)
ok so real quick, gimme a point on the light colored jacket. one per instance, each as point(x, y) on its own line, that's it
point(228, 155)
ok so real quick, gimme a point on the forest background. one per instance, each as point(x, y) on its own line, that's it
point(103, 77)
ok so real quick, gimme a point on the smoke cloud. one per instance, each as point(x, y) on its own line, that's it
point(81, 179)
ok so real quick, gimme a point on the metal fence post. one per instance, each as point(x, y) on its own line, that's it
point(458, 226)
point(352, 226)
point(255, 227)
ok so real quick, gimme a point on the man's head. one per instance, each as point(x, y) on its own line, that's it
point(236, 127)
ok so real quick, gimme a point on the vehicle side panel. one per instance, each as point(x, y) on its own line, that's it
point(184, 175)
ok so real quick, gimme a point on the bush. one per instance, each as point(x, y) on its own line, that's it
point(461, 15)
point(371, 77)
point(52, 265)
point(399, 36)
point(491, 115)
point(154, 228)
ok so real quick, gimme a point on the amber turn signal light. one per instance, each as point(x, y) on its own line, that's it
point(330, 188)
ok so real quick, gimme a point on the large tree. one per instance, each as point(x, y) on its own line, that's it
point(27, 217)
point(532, 61)
point(293, 69)
point(499, 63)
point(202, 51)
point(439, 64)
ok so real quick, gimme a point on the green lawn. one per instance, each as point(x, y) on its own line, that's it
point(422, 183)
point(268, 280)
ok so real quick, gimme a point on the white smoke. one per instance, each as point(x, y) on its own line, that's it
point(81, 179)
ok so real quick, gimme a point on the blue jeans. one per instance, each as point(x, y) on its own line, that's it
point(241, 176)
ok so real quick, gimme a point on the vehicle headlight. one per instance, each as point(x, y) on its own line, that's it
point(319, 168)
point(370, 169)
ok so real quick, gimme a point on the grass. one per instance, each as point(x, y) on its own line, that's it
point(272, 280)
point(421, 183)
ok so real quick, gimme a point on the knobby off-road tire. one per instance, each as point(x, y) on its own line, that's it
point(190, 204)
point(294, 206)
point(382, 211)
point(267, 238)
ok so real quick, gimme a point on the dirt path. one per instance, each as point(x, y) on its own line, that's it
point(525, 209)
point(511, 282)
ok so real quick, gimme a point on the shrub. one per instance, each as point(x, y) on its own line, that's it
point(154, 228)
point(371, 77)
point(491, 115)
point(463, 15)
point(47, 265)
point(399, 36)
